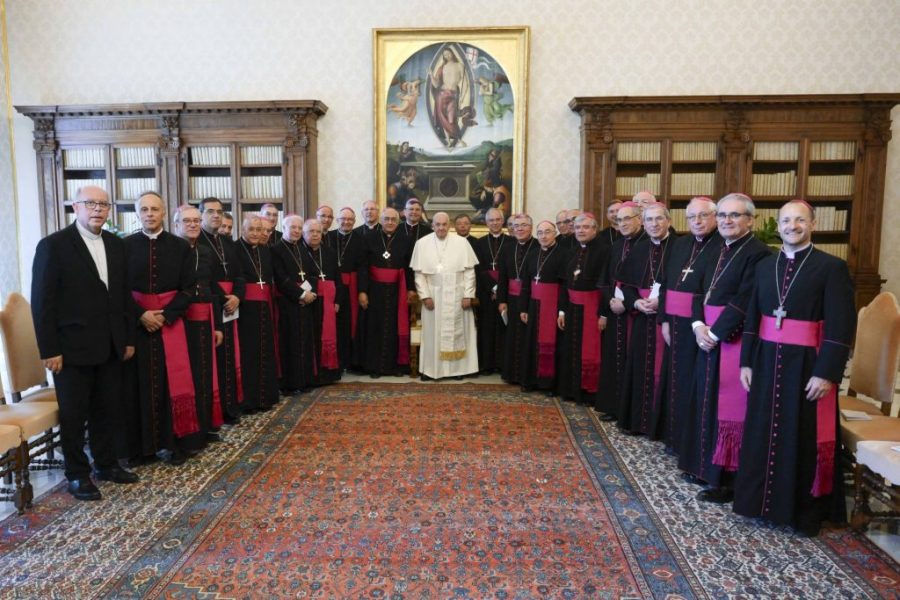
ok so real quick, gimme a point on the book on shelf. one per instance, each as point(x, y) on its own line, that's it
point(828, 218)
point(830, 185)
point(694, 151)
point(774, 184)
point(132, 188)
point(629, 186)
point(832, 150)
point(127, 221)
point(73, 185)
point(136, 158)
point(204, 187)
point(693, 184)
point(261, 155)
point(262, 187)
point(839, 250)
point(210, 156)
point(84, 158)
point(776, 151)
point(638, 151)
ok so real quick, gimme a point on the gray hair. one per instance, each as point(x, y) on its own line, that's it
point(749, 207)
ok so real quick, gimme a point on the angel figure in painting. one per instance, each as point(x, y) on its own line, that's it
point(409, 100)
point(489, 90)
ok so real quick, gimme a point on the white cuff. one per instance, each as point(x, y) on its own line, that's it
point(697, 324)
point(712, 335)
point(562, 313)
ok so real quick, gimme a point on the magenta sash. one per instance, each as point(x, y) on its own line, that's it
point(590, 337)
point(203, 311)
point(382, 275)
point(182, 399)
point(515, 287)
point(228, 287)
point(256, 293)
point(659, 346)
point(679, 304)
point(732, 399)
point(350, 280)
point(329, 356)
point(809, 333)
point(546, 294)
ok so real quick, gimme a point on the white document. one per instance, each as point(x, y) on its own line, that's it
point(305, 286)
point(855, 415)
point(505, 316)
point(654, 291)
point(619, 293)
point(226, 318)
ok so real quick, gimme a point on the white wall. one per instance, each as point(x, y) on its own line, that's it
point(156, 50)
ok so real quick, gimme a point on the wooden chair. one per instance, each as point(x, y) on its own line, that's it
point(876, 358)
point(26, 371)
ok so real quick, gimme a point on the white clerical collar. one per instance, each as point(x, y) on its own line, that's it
point(496, 235)
point(792, 253)
point(659, 241)
point(87, 233)
point(154, 235)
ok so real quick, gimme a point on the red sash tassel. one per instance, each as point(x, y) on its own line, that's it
point(178, 366)
point(809, 333)
point(590, 338)
point(228, 287)
point(732, 398)
point(398, 276)
point(329, 355)
point(546, 294)
point(204, 312)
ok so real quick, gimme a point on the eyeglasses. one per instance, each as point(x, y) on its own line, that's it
point(734, 216)
point(214, 211)
point(700, 215)
point(94, 205)
point(624, 219)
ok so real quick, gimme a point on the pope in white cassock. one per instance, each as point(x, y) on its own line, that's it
point(444, 265)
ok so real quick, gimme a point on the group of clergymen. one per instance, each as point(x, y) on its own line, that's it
point(726, 351)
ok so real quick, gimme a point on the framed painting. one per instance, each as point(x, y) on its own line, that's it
point(450, 115)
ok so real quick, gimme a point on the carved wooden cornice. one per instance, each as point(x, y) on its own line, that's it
point(312, 107)
point(580, 104)
point(45, 134)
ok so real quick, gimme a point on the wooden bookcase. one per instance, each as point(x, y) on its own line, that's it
point(828, 149)
point(246, 153)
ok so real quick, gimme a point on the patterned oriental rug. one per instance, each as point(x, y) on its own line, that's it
point(415, 491)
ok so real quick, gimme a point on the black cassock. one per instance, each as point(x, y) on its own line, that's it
point(509, 290)
point(256, 327)
point(156, 267)
point(362, 232)
point(608, 236)
point(680, 299)
point(728, 279)
point(614, 340)
point(226, 275)
point(585, 271)
point(779, 454)
point(201, 320)
point(644, 266)
point(385, 352)
point(351, 254)
point(321, 271)
point(413, 232)
point(543, 270)
point(296, 334)
point(491, 329)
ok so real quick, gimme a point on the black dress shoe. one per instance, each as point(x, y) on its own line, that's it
point(716, 495)
point(177, 458)
point(687, 477)
point(424, 377)
point(374, 375)
point(84, 489)
point(213, 436)
point(116, 474)
point(607, 418)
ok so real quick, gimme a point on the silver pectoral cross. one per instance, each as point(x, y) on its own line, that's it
point(260, 283)
point(780, 314)
point(322, 276)
point(576, 273)
point(685, 273)
point(386, 255)
point(537, 278)
point(493, 266)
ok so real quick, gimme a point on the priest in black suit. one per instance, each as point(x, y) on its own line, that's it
point(491, 328)
point(80, 300)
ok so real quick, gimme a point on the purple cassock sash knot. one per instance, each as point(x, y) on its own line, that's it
point(810, 334)
point(679, 304)
point(732, 400)
point(546, 294)
point(590, 338)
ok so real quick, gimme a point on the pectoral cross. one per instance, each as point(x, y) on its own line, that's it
point(386, 255)
point(576, 273)
point(537, 278)
point(260, 283)
point(685, 273)
point(780, 314)
point(493, 266)
point(302, 275)
point(322, 276)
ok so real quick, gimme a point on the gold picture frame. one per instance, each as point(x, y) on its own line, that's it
point(450, 110)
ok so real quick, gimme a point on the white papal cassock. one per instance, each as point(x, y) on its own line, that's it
point(445, 272)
